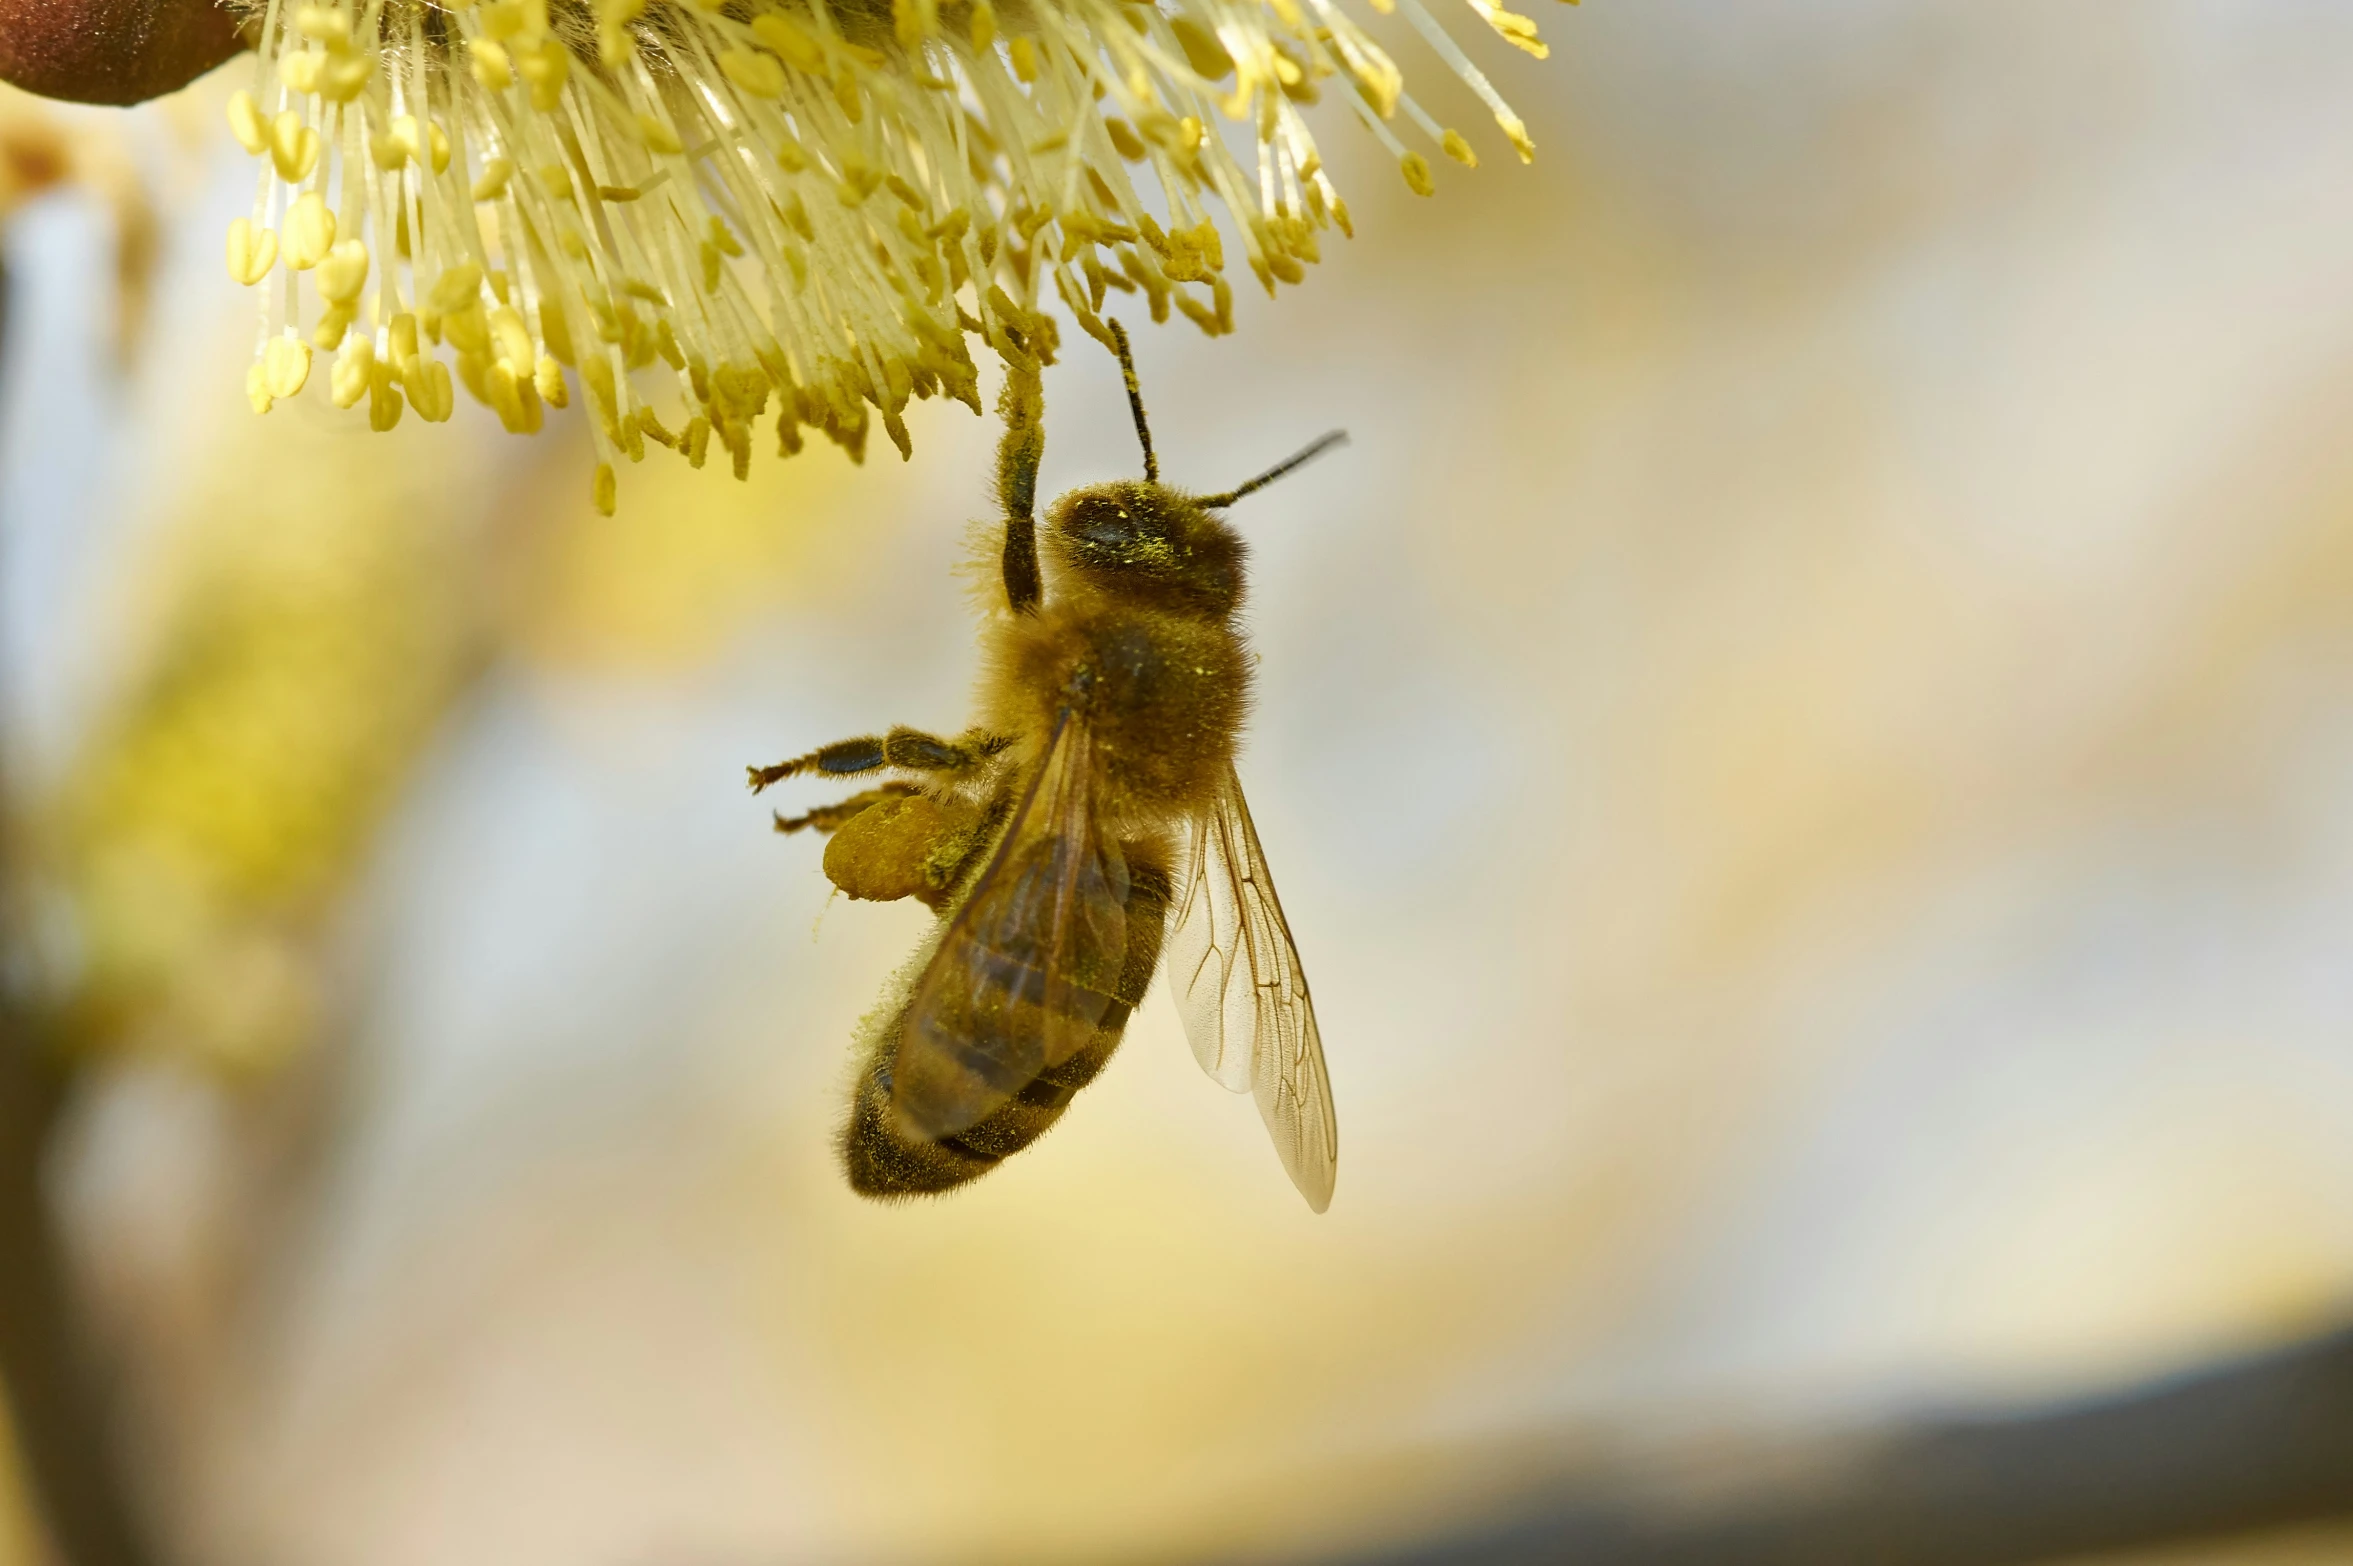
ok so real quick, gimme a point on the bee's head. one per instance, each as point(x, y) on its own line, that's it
point(1143, 538)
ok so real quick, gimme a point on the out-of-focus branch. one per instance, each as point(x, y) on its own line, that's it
point(112, 51)
point(2259, 1443)
point(55, 1393)
point(54, 1390)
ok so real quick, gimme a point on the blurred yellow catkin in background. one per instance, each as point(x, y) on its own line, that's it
point(304, 637)
point(672, 580)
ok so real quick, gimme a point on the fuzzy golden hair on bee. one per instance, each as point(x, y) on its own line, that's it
point(1087, 825)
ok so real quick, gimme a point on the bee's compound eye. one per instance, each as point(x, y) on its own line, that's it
point(1103, 522)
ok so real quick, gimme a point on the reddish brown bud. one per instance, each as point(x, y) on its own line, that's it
point(112, 51)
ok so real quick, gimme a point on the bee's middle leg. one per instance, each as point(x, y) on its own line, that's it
point(909, 750)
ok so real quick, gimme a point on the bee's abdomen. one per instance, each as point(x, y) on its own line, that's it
point(883, 1164)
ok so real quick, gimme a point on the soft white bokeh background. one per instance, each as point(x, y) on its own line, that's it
point(1808, 743)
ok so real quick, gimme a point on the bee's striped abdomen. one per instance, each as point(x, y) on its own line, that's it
point(882, 1163)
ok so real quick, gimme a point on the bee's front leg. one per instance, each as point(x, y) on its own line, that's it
point(1019, 451)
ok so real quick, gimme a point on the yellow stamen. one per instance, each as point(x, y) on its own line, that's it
point(310, 234)
point(481, 199)
point(286, 366)
point(252, 252)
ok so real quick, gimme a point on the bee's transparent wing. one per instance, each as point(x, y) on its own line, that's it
point(1235, 973)
point(1030, 962)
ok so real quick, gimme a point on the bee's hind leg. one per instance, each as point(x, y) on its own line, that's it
point(909, 750)
point(825, 820)
point(899, 841)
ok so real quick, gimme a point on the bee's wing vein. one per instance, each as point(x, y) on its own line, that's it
point(1261, 1035)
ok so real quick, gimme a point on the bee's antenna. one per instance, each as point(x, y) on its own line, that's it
point(1315, 449)
point(1135, 401)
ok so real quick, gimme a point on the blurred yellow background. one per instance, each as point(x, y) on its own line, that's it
point(1808, 744)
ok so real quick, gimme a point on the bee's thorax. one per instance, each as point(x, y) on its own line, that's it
point(1162, 693)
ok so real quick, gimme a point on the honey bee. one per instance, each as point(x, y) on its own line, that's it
point(1090, 822)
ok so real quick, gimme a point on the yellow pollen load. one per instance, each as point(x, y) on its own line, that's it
point(719, 217)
